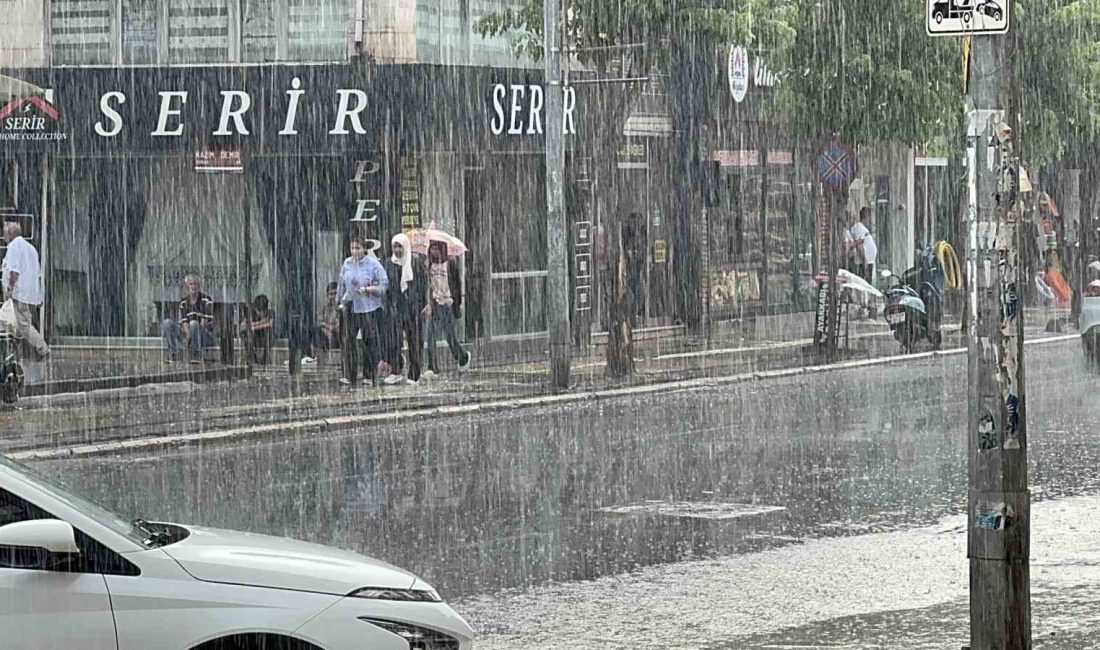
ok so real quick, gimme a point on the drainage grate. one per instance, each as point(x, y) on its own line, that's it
point(694, 509)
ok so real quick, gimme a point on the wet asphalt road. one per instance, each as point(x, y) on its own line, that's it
point(479, 504)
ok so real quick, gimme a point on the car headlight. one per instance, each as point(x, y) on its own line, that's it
point(405, 595)
point(418, 638)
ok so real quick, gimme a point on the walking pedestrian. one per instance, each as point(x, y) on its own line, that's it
point(362, 289)
point(22, 285)
point(405, 300)
point(194, 322)
point(866, 252)
point(443, 306)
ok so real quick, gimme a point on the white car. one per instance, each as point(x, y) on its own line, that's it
point(73, 575)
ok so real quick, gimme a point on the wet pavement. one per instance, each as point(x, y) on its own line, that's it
point(548, 495)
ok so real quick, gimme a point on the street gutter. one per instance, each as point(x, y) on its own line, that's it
point(347, 423)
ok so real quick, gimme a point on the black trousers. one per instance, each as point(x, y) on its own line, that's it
point(405, 327)
point(369, 325)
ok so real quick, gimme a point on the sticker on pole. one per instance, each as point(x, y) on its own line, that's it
point(963, 17)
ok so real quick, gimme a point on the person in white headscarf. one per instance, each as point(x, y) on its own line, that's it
point(405, 300)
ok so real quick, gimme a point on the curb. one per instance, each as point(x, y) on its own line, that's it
point(346, 423)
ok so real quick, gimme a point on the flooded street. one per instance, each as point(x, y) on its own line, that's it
point(484, 505)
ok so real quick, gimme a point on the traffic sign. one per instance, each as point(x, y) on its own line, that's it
point(964, 17)
point(836, 166)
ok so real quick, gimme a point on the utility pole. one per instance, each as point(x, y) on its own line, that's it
point(998, 514)
point(557, 279)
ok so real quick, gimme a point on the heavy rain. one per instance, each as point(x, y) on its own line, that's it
point(549, 324)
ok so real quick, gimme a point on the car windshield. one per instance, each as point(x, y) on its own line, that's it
point(101, 515)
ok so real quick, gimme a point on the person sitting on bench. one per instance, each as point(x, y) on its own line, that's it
point(194, 323)
point(261, 330)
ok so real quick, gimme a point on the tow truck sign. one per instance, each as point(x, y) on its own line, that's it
point(964, 17)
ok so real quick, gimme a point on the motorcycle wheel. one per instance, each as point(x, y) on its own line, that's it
point(936, 339)
point(905, 337)
point(9, 392)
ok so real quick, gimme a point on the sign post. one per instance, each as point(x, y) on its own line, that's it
point(836, 168)
point(999, 502)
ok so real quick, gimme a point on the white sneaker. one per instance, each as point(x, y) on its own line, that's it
point(392, 379)
point(345, 381)
point(309, 361)
point(411, 382)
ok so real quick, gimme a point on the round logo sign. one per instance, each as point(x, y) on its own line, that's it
point(738, 73)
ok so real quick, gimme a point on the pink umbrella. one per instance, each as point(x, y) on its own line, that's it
point(421, 238)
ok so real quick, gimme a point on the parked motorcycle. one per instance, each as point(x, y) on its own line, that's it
point(914, 302)
point(1090, 317)
point(11, 370)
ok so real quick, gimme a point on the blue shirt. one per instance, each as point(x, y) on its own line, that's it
point(366, 273)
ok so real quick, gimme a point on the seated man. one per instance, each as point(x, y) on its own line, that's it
point(328, 329)
point(260, 329)
point(194, 323)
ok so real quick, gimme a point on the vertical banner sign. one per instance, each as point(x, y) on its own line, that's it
point(410, 193)
point(368, 179)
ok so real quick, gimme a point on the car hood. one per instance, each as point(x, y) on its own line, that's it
point(231, 557)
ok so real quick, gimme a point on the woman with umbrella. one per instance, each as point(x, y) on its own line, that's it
point(444, 304)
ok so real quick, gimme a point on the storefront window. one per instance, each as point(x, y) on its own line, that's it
point(198, 31)
point(80, 31)
point(317, 30)
point(139, 31)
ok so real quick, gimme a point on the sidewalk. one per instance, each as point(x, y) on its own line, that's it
point(182, 409)
point(661, 354)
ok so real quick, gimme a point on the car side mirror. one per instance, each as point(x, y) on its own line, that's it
point(50, 535)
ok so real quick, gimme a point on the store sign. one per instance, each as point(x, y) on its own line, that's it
point(410, 193)
point(31, 118)
point(212, 162)
point(518, 110)
point(737, 69)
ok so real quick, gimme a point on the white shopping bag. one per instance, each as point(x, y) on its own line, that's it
point(8, 322)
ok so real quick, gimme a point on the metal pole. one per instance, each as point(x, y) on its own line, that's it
point(557, 280)
point(998, 518)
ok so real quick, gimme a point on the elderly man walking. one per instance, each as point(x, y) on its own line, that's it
point(22, 280)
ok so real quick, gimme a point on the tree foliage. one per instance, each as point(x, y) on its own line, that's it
point(866, 70)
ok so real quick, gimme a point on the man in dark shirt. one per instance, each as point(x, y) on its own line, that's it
point(194, 323)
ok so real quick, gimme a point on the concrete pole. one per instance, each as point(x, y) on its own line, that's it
point(998, 519)
point(557, 280)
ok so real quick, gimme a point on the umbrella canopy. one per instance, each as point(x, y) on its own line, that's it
point(421, 238)
point(11, 88)
point(848, 280)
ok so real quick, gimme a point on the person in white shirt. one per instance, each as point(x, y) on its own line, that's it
point(22, 284)
point(865, 242)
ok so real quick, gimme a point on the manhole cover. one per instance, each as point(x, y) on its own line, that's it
point(694, 509)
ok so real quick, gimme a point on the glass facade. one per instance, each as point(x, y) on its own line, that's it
point(446, 32)
point(317, 29)
point(80, 31)
point(190, 32)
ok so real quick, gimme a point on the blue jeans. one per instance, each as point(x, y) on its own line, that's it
point(173, 333)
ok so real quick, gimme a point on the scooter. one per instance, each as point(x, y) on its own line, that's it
point(12, 376)
point(1090, 317)
point(914, 302)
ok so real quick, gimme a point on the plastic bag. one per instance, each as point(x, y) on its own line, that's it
point(8, 321)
